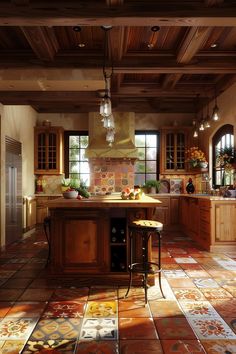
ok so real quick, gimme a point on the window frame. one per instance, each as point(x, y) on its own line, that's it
point(225, 129)
point(67, 135)
point(151, 132)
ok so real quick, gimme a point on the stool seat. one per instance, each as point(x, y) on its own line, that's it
point(147, 224)
point(145, 229)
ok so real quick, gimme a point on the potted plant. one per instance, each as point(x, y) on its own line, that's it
point(152, 186)
point(65, 184)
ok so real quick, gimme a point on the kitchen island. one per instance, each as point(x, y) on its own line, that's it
point(89, 237)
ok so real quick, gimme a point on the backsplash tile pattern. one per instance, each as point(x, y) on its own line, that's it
point(111, 175)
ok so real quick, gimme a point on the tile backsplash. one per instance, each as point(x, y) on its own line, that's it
point(111, 175)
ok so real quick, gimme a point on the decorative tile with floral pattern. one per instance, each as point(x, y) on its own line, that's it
point(96, 309)
point(205, 283)
point(190, 294)
point(64, 309)
point(198, 309)
point(175, 274)
point(211, 328)
point(16, 328)
point(11, 346)
point(64, 346)
point(219, 293)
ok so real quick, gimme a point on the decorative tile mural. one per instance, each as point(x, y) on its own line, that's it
point(111, 175)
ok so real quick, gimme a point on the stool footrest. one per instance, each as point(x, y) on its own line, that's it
point(145, 268)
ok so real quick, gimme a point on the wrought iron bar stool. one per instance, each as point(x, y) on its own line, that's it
point(47, 228)
point(144, 229)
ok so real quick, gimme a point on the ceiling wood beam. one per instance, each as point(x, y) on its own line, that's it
point(70, 13)
point(42, 41)
point(171, 80)
point(213, 2)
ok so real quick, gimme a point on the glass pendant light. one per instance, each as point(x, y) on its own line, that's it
point(207, 119)
point(215, 113)
point(110, 136)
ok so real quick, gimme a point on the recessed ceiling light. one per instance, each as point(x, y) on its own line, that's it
point(81, 45)
point(214, 45)
point(77, 28)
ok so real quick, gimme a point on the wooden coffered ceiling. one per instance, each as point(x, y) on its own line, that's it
point(167, 55)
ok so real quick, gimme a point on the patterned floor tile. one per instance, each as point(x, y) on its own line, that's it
point(56, 329)
point(190, 294)
point(165, 308)
point(173, 328)
point(205, 283)
point(175, 274)
point(80, 294)
point(12, 346)
point(95, 309)
point(57, 309)
point(137, 328)
point(26, 309)
point(197, 273)
point(51, 346)
point(198, 309)
point(219, 346)
point(212, 294)
point(182, 347)
point(140, 346)
point(100, 347)
point(191, 266)
point(231, 322)
point(16, 328)
point(99, 329)
point(133, 309)
point(212, 328)
point(188, 259)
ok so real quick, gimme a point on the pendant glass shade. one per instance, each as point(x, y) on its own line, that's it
point(201, 127)
point(108, 122)
point(195, 133)
point(215, 114)
point(105, 106)
point(207, 122)
point(110, 136)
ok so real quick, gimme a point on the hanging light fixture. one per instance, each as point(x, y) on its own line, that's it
point(207, 119)
point(215, 113)
point(105, 104)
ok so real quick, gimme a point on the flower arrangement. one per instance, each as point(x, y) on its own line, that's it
point(225, 158)
point(196, 157)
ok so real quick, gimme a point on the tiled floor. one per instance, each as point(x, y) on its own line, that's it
point(198, 314)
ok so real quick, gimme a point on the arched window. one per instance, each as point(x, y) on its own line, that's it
point(223, 155)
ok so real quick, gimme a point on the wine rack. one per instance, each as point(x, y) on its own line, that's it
point(118, 244)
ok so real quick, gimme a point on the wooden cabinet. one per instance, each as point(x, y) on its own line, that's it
point(190, 216)
point(168, 212)
point(174, 142)
point(225, 223)
point(42, 207)
point(48, 150)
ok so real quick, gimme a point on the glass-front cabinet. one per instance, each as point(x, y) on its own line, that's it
point(48, 143)
point(174, 142)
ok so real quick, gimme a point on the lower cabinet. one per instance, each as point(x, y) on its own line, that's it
point(42, 206)
point(167, 212)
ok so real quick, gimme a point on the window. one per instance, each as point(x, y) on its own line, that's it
point(76, 164)
point(147, 167)
point(223, 141)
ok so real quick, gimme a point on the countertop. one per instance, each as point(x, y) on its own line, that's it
point(106, 201)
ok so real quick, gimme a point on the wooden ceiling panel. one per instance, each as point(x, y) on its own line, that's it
point(12, 38)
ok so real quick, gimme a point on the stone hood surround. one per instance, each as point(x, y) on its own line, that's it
point(123, 146)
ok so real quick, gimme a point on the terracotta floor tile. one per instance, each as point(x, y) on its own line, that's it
point(17, 283)
point(5, 307)
point(219, 346)
point(181, 283)
point(36, 295)
point(103, 347)
point(182, 347)
point(137, 328)
point(80, 294)
point(10, 294)
point(26, 309)
point(165, 308)
point(225, 307)
point(173, 328)
point(133, 309)
point(102, 294)
point(140, 346)
point(191, 266)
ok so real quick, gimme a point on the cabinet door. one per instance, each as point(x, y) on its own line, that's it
point(174, 210)
point(173, 146)
point(162, 211)
point(48, 150)
point(225, 223)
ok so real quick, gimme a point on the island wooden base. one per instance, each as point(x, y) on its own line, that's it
point(91, 243)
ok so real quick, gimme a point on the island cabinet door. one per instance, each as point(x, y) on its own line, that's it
point(79, 242)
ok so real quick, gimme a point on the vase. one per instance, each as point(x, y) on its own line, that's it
point(202, 164)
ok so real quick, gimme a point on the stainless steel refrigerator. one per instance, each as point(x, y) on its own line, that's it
point(14, 200)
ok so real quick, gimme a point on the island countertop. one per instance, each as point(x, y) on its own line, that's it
point(105, 201)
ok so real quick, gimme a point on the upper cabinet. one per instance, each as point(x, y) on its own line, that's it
point(48, 150)
point(174, 142)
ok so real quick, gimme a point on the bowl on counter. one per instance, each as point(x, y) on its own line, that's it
point(70, 194)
